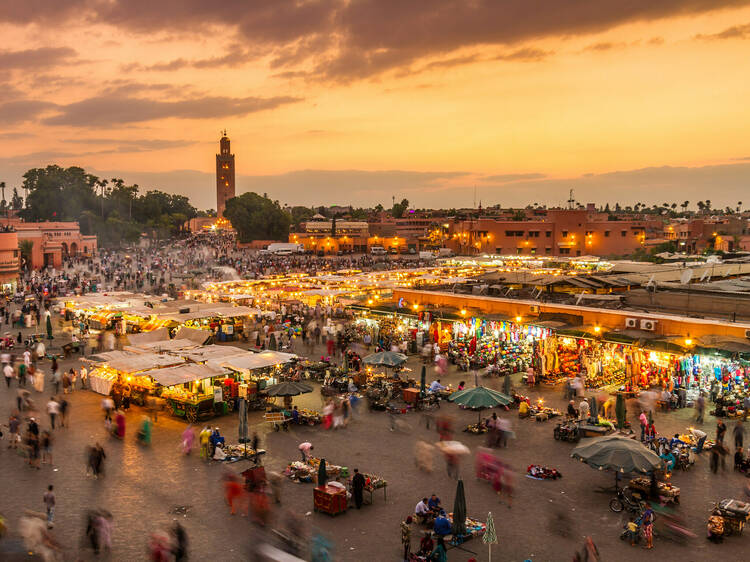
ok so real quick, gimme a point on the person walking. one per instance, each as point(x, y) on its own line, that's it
point(83, 374)
point(644, 424)
point(358, 487)
point(204, 438)
point(46, 446)
point(739, 435)
point(721, 430)
point(53, 409)
point(700, 406)
point(13, 426)
point(8, 372)
point(49, 502)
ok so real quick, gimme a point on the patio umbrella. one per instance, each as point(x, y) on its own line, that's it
point(620, 411)
point(459, 511)
point(242, 430)
point(617, 453)
point(288, 389)
point(385, 359)
point(480, 398)
point(506, 385)
point(322, 474)
point(490, 535)
point(423, 382)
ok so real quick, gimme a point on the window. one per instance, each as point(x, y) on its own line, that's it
point(564, 251)
point(533, 234)
point(548, 250)
point(564, 233)
point(512, 233)
point(589, 232)
point(533, 250)
point(624, 233)
point(606, 233)
point(548, 234)
point(519, 250)
point(578, 252)
point(498, 250)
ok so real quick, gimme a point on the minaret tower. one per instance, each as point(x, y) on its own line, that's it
point(224, 175)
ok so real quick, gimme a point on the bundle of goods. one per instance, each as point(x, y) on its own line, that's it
point(666, 490)
point(474, 527)
point(332, 470)
point(476, 428)
point(392, 408)
point(570, 365)
point(539, 472)
point(607, 378)
point(300, 472)
point(233, 453)
point(543, 413)
point(309, 417)
point(374, 482)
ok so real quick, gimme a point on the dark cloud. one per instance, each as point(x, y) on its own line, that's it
point(234, 57)
point(23, 110)
point(507, 178)
point(117, 109)
point(36, 58)
point(527, 54)
point(603, 46)
point(344, 40)
point(656, 41)
point(133, 145)
point(734, 32)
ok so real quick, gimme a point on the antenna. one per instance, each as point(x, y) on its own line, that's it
point(475, 196)
point(571, 200)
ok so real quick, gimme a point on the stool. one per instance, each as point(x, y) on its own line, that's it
point(344, 472)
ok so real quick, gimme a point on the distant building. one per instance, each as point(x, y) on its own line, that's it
point(328, 237)
point(224, 175)
point(52, 241)
point(9, 260)
point(552, 232)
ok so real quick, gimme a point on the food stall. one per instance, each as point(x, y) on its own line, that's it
point(124, 368)
point(191, 390)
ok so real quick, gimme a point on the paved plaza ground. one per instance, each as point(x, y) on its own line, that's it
point(143, 486)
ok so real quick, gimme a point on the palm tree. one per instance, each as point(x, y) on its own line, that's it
point(701, 206)
point(685, 205)
point(708, 205)
point(26, 247)
point(739, 206)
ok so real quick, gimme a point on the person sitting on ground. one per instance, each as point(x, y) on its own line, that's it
point(669, 458)
point(523, 409)
point(675, 441)
point(434, 504)
point(442, 525)
point(461, 385)
point(426, 544)
point(422, 511)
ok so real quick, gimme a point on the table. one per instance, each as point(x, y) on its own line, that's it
point(329, 499)
point(410, 395)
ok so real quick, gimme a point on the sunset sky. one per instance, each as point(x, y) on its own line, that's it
point(354, 102)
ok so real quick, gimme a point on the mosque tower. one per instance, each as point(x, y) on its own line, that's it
point(224, 175)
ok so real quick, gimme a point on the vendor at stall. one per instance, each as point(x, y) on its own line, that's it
point(700, 439)
point(434, 504)
point(435, 386)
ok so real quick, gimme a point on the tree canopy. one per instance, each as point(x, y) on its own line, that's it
point(257, 217)
point(111, 209)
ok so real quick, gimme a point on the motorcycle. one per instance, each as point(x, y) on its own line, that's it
point(567, 431)
point(626, 499)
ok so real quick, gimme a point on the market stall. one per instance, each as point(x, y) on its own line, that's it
point(124, 368)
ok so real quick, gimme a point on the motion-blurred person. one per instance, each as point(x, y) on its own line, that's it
point(188, 440)
point(179, 542)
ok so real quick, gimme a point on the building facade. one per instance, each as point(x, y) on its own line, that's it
point(556, 232)
point(225, 188)
point(9, 260)
point(51, 242)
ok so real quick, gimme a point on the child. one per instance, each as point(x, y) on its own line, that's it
point(648, 526)
point(632, 531)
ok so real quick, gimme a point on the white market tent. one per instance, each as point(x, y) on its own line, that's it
point(212, 352)
point(129, 362)
point(251, 361)
point(180, 374)
point(193, 334)
point(163, 346)
point(160, 334)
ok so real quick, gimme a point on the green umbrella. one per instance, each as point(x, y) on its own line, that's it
point(288, 389)
point(479, 398)
point(385, 359)
point(506, 385)
point(620, 411)
point(490, 536)
point(322, 474)
point(617, 453)
point(423, 382)
point(459, 511)
point(49, 326)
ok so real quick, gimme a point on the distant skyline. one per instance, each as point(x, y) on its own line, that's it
point(334, 102)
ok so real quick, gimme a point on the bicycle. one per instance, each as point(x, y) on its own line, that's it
point(625, 500)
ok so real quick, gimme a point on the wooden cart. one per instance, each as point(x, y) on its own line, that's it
point(329, 499)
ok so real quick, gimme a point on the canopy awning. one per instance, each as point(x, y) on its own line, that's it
point(129, 362)
point(162, 334)
point(212, 352)
point(251, 361)
point(180, 374)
